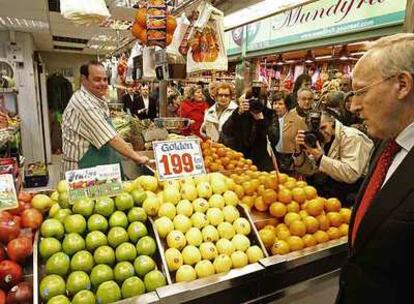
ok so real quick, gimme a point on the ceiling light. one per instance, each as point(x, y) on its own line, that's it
point(309, 58)
point(12, 23)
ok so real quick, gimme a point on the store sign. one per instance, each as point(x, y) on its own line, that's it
point(178, 158)
point(94, 182)
point(8, 196)
point(233, 40)
point(324, 18)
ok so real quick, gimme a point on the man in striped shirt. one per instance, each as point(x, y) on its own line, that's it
point(89, 138)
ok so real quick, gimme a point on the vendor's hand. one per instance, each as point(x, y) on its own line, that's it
point(143, 160)
point(244, 106)
point(257, 116)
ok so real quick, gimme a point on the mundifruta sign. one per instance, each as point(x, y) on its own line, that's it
point(324, 18)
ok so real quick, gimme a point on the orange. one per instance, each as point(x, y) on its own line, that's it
point(248, 188)
point(285, 196)
point(260, 205)
point(271, 182)
point(270, 227)
point(290, 217)
point(297, 228)
point(141, 17)
point(293, 207)
point(290, 184)
point(248, 201)
point(303, 214)
point(278, 209)
point(282, 178)
point(239, 191)
point(225, 161)
point(282, 234)
point(254, 168)
point(268, 237)
point(299, 195)
point(262, 178)
point(346, 214)
point(311, 223)
point(314, 207)
point(335, 218)
point(301, 184)
point(332, 205)
point(221, 152)
point(255, 182)
point(344, 229)
point(310, 192)
point(304, 206)
point(334, 233)
point(280, 247)
point(295, 243)
point(269, 196)
point(260, 190)
point(309, 240)
point(281, 226)
point(324, 222)
point(321, 236)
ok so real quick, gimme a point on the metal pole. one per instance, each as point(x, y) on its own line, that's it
point(163, 98)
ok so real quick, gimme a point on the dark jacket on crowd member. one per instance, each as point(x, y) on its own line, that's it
point(244, 134)
point(151, 112)
point(130, 104)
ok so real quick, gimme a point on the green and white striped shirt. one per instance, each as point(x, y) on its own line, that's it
point(85, 123)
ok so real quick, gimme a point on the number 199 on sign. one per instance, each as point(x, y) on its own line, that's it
point(177, 164)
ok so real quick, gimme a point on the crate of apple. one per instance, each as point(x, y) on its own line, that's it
point(17, 229)
point(98, 251)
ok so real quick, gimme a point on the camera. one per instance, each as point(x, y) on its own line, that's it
point(313, 135)
point(255, 103)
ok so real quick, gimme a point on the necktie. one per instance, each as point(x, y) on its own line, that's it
point(374, 185)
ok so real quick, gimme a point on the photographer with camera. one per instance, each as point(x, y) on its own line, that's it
point(335, 157)
point(250, 127)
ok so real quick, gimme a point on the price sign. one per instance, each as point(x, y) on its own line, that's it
point(178, 158)
point(94, 182)
point(8, 196)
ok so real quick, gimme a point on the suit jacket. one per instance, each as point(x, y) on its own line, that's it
point(130, 104)
point(292, 124)
point(151, 112)
point(380, 262)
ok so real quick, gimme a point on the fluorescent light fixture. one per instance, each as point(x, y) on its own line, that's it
point(257, 11)
point(13, 23)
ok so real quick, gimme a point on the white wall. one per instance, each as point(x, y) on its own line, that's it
point(29, 107)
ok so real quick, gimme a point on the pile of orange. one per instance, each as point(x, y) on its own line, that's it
point(300, 218)
point(219, 158)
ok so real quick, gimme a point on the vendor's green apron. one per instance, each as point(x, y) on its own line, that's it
point(106, 155)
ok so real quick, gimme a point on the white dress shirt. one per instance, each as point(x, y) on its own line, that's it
point(279, 146)
point(146, 103)
point(406, 140)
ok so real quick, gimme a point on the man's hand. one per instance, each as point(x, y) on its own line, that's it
point(316, 152)
point(141, 159)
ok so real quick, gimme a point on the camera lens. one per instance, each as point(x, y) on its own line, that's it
point(311, 139)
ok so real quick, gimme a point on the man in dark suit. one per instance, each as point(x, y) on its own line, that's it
point(147, 105)
point(130, 101)
point(380, 264)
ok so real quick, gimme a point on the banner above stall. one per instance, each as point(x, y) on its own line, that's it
point(316, 20)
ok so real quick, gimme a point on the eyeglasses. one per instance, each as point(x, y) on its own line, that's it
point(365, 90)
point(223, 95)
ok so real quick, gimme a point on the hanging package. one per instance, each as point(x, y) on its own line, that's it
point(85, 12)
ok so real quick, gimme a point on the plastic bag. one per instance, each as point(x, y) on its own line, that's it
point(84, 12)
point(207, 50)
point(173, 49)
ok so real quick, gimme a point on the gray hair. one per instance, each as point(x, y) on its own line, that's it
point(395, 53)
point(335, 99)
point(301, 90)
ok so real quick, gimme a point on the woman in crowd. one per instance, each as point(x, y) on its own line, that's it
point(174, 101)
point(193, 108)
point(249, 129)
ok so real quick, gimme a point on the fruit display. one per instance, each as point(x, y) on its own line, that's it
point(299, 218)
point(203, 229)
point(96, 251)
point(153, 25)
point(219, 158)
point(17, 229)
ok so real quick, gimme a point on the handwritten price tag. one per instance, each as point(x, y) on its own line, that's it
point(8, 196)
point(178, 158)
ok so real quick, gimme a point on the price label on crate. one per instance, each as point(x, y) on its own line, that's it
point(178, 158)
point(8, 196)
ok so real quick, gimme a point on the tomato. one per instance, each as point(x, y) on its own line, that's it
point(19, 249)
point(9, 230)
point(4, 215)
point(20, 294)
point(10, 274)
point(2, 297)
point(27, 233)
point(32, 218)
point(19, 209)
point(18, 220)
point(25, 197)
